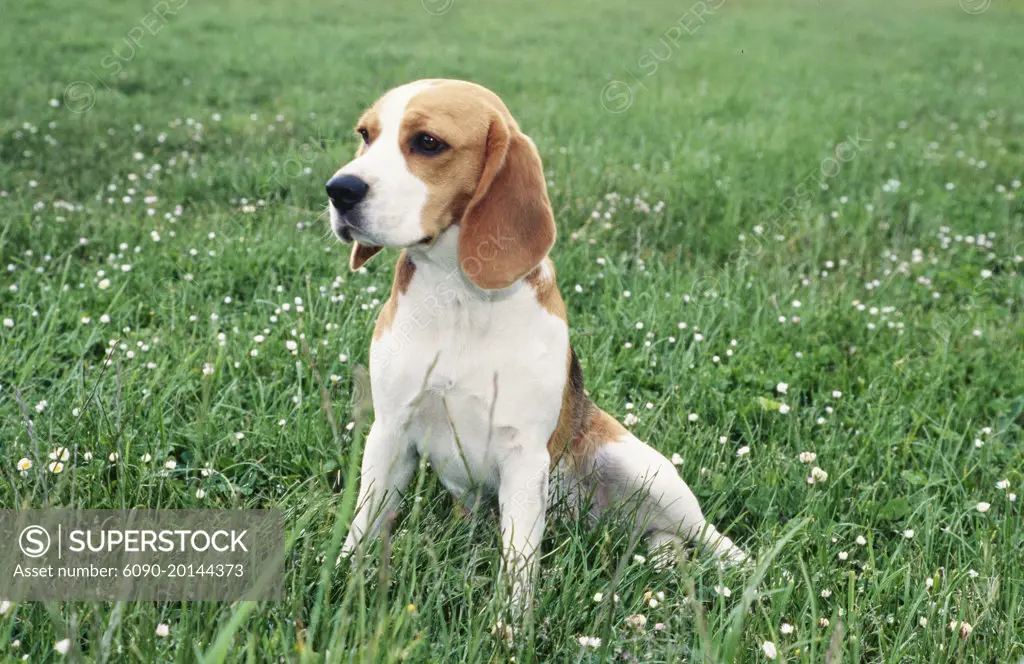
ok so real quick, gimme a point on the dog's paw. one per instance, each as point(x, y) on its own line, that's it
point(733, 558)
point(346, 555)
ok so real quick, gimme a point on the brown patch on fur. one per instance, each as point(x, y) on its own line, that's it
point(490, 180)
point(459, 114)
point(598, 429)
point(404, 270)
point(545, 285)
point(370, 121)
point(575, 412)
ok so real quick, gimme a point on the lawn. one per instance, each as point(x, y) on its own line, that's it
point(790, 244)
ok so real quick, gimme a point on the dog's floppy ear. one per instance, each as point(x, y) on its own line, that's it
point(508, 227)
point(360, 254)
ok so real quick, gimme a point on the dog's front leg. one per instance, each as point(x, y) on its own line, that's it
point(387, 466)
point(523, 497)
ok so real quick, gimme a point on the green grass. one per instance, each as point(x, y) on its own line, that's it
point(715, 141)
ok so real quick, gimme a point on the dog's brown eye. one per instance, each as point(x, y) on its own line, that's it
point(365, 134)
point(426, 144)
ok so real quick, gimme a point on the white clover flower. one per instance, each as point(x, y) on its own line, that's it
point(637, 621)
point(743, 451)
point(590, 641)
point(861, 541)
point(786, 628)
point(817, 476)
point(1003, 484)
point(769, 650)
point(163, 630)
point(782, 388)
point(692, 417)
point(200, 493)
point(104, 284)
point(677, 460)
point(114, 456)
point(207, 369)
point(8, 322)
point(836, 394)
point(723, 591)
point(62, 646)
point(784, 409)
point(5, 606)
point(170, 464)
point(983, 507)
point(598, 597)
point(843, 555)
point(909, 533)
point(808, 457)
point(638, 559)
point(922, 621)
point(630, 419)
point(41, 406)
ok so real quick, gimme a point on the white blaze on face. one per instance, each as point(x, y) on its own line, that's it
point(391, 213)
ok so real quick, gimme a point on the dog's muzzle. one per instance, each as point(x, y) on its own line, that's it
point(346, 192)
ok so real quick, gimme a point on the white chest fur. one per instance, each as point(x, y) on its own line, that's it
point(470, 378)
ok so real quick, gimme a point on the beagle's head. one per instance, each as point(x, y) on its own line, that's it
point(438, 153)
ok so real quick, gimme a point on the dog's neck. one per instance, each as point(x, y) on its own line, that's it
point(438, 263)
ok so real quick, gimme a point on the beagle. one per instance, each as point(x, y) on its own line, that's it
point(470, 362)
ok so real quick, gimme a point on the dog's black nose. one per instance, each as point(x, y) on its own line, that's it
point(345, 191)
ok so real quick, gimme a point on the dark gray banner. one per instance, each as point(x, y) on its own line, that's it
point(162, 555)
